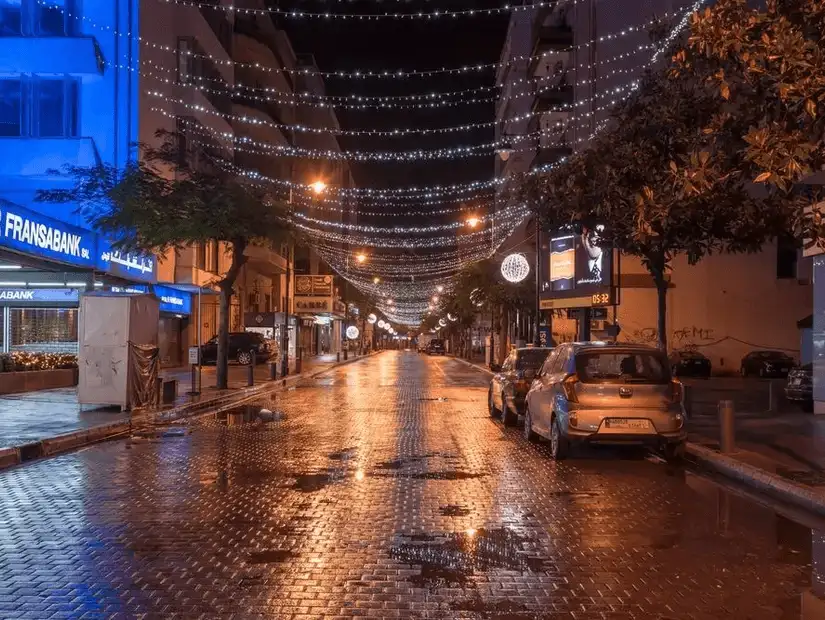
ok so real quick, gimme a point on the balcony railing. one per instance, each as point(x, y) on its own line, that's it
point(556, 97)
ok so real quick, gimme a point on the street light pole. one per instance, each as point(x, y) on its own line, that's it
point(285, 333)
point(536, 337)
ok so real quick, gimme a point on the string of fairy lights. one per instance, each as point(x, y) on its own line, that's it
point(405, 267)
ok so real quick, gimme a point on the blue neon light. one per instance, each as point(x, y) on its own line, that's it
point(33, 233)
point(171, 299)
point(39, 295)
point(140, 267)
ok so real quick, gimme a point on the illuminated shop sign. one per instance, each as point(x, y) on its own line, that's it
point(141, 267)
point(34, 233)
point(171, 299)
point(39, 295)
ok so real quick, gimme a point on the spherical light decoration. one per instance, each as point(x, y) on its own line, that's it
point(515, 268)
point(381, 324)
point(452, 318)
point(372, 319)
point(352, 332)
point(442, 322)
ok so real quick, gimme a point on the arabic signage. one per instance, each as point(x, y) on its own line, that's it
point(39, 295)
point(34, 233)
point(317, 286)
point(171, 299)
point(576, 271)
point(140, 267)
point(314, 304)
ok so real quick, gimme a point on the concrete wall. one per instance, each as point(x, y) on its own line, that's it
point(725, 306)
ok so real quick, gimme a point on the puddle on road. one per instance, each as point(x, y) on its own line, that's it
point(310, 483)
point(269, 556)
point(454, 510)
point(452, 559)
point(342, 455)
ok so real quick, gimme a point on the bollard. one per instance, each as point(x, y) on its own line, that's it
point(158, 390)
point(338, 357)
point(273, 371)
point(250, 372)
point(687, 400)
point(345, 354)
point(727, 436)
point(772, 396)
point(194, 391)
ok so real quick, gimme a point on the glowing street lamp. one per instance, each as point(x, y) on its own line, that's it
point(472, 222)
point(361, 257)
point(439, 288)
point(376, 280)
point(318, 186)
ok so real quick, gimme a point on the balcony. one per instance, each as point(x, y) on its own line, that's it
point(553, 98)
point(265, 260)
point(57, 55)
point(218, 23)
point(551, 153)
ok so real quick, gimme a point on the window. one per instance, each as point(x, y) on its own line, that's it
point(39, 107)
point(11, 108)
point(786, 258)
point(531, 359)
point(200, 256)
point(617, 366)
point(548, 364)
point(35, 18)
point(213, 256)
point(50, 330)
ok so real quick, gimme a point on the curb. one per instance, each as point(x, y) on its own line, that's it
point(16, 455)
point(759, 479)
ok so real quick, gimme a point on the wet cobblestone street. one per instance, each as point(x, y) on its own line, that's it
point(385, 490)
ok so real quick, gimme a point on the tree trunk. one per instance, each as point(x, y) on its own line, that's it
point(226, 286)
point(661, 295)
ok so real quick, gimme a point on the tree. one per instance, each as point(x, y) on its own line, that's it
point(173, 198)
point(638, 180)
point(766, 65)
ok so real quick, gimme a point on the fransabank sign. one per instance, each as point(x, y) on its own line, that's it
point(33, 233)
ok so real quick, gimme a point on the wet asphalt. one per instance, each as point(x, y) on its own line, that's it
point(383, 489)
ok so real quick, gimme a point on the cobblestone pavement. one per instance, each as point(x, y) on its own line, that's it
point(383, 489)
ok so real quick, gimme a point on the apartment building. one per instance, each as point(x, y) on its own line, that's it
point(581, 58)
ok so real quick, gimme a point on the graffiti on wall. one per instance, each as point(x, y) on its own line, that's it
point(683, 337)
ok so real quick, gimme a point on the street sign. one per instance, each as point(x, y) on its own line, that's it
point(193, 355)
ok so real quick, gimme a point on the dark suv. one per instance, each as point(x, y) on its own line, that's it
point(436, 347)
point(242, 345)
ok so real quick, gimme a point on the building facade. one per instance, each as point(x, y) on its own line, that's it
point(565, 67)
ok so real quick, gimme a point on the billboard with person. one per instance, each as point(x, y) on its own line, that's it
point(576, 269)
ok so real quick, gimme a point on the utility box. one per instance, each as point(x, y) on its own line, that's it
point(117, 334)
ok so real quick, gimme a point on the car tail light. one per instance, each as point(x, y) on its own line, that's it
point(569, 386)
point(676, 391)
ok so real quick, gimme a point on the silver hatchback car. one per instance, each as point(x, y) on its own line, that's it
point(593, 392)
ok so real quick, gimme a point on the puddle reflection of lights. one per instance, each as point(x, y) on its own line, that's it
point(359, 475)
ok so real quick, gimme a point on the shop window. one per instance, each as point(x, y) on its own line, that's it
point(36, 18)
point(43, 330)
point(39, 107)
point(200, 256)
point(214, 256)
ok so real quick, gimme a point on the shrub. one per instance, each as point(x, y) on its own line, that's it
point(18, 361)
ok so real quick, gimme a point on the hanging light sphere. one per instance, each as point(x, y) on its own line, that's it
point(381, 324)
point(372, 319)
point(452, 318)
point(515, 268)
point(352, 332)
point(442, 322)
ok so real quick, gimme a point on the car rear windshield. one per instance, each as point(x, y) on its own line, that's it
point(531, 359)
point(436, 343)
point(617, 366)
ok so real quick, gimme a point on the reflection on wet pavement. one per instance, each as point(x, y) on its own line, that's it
point(384, 490)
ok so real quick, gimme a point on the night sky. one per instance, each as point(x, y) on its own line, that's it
point(409, 45)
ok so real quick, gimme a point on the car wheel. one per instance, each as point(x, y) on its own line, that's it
point(244, 358)
point(509, 417)
point(559, 444)
point(674, 452)
point(529, 433)
point(491, 406)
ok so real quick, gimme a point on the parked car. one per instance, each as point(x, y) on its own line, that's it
point(436, 347)
point(766, 364)
point(606, 393)
point(689, 364)
point(242, 345)
point(800, 387)
point(511, 382)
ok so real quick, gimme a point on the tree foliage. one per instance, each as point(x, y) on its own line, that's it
point(174, 197)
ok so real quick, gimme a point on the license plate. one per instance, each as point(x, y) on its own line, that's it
point(622, 424)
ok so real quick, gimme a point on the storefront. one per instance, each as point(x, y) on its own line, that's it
point(270, 325)
point(321, 314)
point(39, 320)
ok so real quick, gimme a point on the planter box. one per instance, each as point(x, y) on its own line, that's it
point(33, 380)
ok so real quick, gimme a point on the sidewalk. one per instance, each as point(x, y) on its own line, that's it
point(33, 416)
